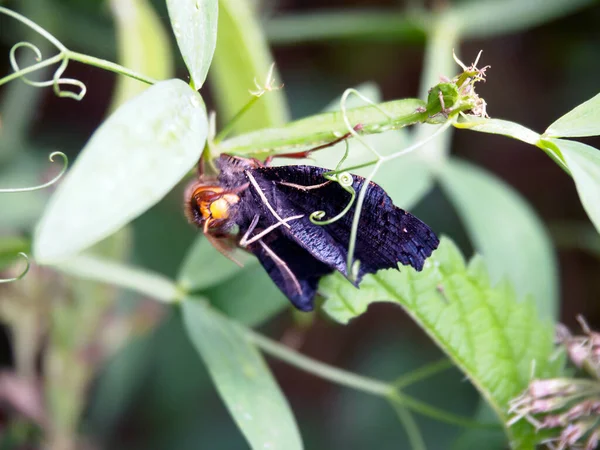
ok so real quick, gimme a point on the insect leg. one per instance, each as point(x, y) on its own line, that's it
point(245, 241)
point(305, 153)
point(263, 198)
point(282, 266)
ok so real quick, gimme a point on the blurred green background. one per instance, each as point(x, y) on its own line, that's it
point(154, 392)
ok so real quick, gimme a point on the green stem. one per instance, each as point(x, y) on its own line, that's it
point(231, 124)
point(147, 283)
point(108, 65)
point(34, 26)
point(436, 413)
point(422, 372)
point(339, 376)
point(48, 62)
point(415, 438)
point(438, 61)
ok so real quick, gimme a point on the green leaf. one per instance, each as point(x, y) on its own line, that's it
point(506, 230)
point(491, 337)
point(584, 164)
point(250, 297)
point(499, 126)
point(204, 266)
point(246, 294)
point(584, 120)
point(326, 127)
point(194, 25)
point(515, 131)
point(242, 56)
point(143, 46)
point(132, 161)
point(242, 379)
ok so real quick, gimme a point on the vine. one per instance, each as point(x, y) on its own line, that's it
point(64, 56)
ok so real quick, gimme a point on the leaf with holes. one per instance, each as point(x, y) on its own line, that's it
point(490, 336)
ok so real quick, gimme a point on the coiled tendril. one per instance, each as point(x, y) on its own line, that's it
point(345, 180)
point(22, 274)
point(56, 80)
point(45, 185)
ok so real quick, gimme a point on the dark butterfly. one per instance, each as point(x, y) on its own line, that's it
point(267, 210)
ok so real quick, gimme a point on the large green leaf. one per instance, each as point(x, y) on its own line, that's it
point(194, 24)
point(143, 46)
point(505, 229)
point(130, 163)
point(584, 164)
point(493, 338)
point(242, 378)
point(242, 56)
point(584, 120)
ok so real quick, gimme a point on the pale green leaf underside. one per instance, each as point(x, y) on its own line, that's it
point(512, 130)
point(499, 126)
point(204, 266)
point(242, 379)
point(143, 46)
point(584, 120)
point(194, 24)
point(584, 164)
point(506, 231)
point(132, 161)
point(326, 127)
point(245, 294)
point(242, 55)
point(493, 338)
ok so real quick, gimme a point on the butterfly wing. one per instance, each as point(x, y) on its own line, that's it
point(386, 234)
point(292, 268)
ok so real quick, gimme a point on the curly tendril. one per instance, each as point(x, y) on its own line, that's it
point(63, 57)
point(45, 185)
point(345, 180)
point(56, 80)
point(22, 274)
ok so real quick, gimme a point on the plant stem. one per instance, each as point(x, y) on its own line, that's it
point(339, 376)
point(436, 413)
point(412, 429)
point(48, 62)
point(108, 65)
point(423, 372)
point(34, 26)
point(227, 128)
point(154, 285)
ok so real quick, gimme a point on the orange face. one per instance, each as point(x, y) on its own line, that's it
point(213, 205)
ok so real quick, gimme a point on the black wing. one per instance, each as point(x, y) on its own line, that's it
point(386, 234)
point(292, 268)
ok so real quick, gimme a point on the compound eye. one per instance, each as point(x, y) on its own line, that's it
point(219, 209)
